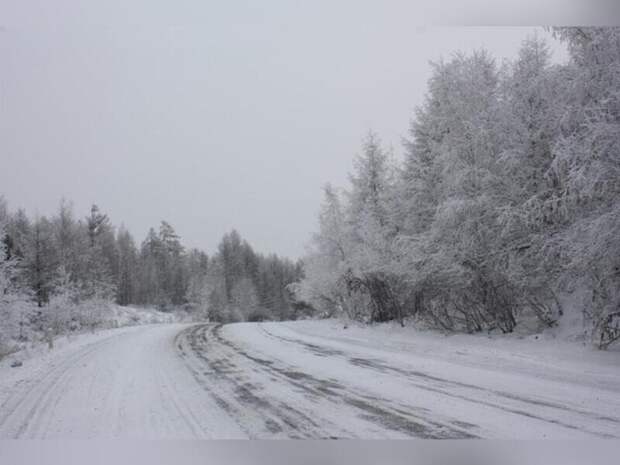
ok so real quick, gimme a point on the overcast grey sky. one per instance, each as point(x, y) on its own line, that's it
point(210, 116)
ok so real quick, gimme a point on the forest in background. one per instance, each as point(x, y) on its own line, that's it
point(505, 209)
point(61, 274)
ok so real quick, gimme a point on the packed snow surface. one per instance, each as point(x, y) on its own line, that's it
point(309, 379)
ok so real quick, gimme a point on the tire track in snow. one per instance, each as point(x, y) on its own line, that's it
point(522, 405)
point(130, 385)
point(230, 368)
point(257, 416)
point(44, 389)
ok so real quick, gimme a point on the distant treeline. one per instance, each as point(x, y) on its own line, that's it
point(89, 259)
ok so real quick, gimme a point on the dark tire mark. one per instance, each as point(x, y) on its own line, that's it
point(413, 376)
point(292, 421)
point(47, 384)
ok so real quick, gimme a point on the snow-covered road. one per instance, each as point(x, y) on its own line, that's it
point(129, 384)
point(305, 380)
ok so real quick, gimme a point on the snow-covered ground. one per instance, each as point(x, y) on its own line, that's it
point(309, 379)
point(422, 384)
point(127, 383)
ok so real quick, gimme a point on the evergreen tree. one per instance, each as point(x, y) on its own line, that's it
point(128, 268)
point(41, 260)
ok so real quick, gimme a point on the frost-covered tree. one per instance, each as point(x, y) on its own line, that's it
point(274, 274)
point(587, 169)
point(529, 128)
point(127, 268)
point(63, 312)
point(454, 189)
point(372, 231)
point(15, 309)
point(508, 196)
point(100, 258)
point(17, 234)
point(197, 293)
point(170, 260)
point(148, 274)
point(244, 298)
point(347, 267)
point(41, 260)
point(326, 262)
point(66, 235)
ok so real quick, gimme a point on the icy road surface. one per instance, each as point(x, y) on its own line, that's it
point(306, 380)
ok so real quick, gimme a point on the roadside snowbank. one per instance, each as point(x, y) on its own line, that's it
point(114, 316)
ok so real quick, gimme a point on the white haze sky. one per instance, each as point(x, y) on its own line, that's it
point(210, 116)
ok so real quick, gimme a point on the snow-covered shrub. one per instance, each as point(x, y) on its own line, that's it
point(16, 308)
